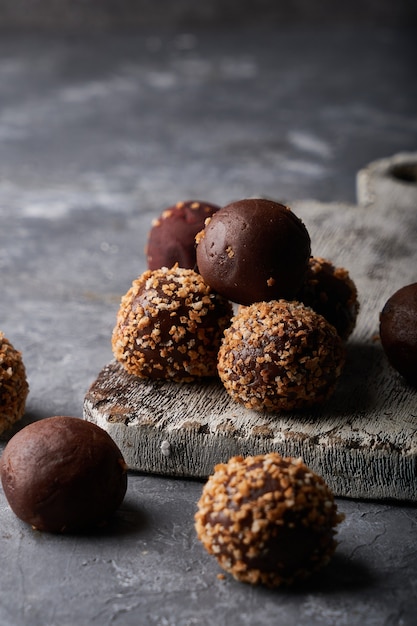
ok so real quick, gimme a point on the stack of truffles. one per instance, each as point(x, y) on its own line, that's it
point(236, 292)
point(232, 292)
point(266, 519)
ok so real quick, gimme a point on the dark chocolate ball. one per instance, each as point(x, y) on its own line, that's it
point(398, 331)
point(169, 326)
point(330, 291)
point(267, 519)
point(172, 236)
point(253, 250)
point(63, 474)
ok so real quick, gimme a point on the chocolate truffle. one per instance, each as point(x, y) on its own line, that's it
point(172, 236)
point(14, 387)
point(280, 356)
point(63, 474)
point(330, 291)
point(267, 519)
point(170, 325)
point(253, 250)
point(398, 331)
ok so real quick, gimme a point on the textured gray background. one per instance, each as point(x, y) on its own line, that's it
point(111, 14)
point(107, 116)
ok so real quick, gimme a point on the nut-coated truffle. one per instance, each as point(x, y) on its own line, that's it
point(14, 387)
point(63, 474)
point(267, 519)
point(253, 250)
point(169, 326)
point(330, 291)
point(171, 238)
point(280, 356)
point(398, 331)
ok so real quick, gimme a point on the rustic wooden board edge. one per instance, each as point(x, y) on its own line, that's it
point(190, 448)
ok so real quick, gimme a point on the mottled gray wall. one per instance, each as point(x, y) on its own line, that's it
point(82, 14)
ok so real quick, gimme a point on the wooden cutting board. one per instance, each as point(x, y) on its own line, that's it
point(363, 441)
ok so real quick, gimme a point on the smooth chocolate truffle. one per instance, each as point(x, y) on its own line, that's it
point(170, 325)
point(280, 356)
point(172, 236)
point(267, 519)
point(63, 474)
point(398, 331)
point(253, 250)
point(330, 291)
point(14, 387)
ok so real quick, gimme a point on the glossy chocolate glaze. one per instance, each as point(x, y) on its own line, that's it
point(172, 236)
point(63, 474)
point(253, 250)
point(398, 331)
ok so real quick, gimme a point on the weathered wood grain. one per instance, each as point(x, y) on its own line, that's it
point(363, 441)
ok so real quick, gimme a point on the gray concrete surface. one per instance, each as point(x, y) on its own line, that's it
point(99, 133)
point(108, 15)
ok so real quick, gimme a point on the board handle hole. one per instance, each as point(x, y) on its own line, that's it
point(405, 172)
